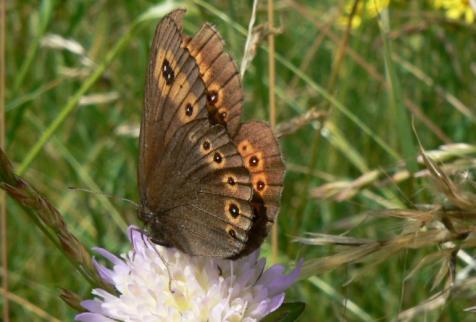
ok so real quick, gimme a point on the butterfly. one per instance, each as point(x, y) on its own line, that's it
point(209, 185)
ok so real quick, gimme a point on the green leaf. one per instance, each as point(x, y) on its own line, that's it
point(46, 10)
point(399, 113)
point(288, 312)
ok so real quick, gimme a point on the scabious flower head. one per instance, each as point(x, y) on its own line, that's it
point(203, 289)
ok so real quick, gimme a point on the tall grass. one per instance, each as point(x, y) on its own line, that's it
point(353, 104)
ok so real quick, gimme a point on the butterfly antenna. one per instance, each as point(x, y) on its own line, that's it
point(136, 205)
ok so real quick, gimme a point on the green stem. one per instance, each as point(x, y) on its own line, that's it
point(73, 101)
point(397, 108)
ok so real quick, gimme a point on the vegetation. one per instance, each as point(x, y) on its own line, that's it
point(362, 89)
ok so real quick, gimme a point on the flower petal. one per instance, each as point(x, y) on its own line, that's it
point(137, 238)
point(92, 317)
point(276, 302)
point(109, 256)
point(104, 272)
point(275, 279)
point(93, 306)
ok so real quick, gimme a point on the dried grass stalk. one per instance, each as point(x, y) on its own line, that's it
point(49, 220)
point(447, 228)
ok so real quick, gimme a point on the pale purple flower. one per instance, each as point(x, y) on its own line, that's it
point(204, 289)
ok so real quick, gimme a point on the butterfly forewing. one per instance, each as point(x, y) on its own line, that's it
point(174, 96)
point(220, 75)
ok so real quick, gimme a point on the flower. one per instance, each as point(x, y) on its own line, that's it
point(456, 9)
point(201, 289)
point(366, 10)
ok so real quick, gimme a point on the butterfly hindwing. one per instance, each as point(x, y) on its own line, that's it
point(261, 155)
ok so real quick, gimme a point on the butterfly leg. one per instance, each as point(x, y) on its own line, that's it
point(163, 261)
point(148, 243)
point(161, 242)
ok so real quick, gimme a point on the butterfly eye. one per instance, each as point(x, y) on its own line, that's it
point(167, 72)
point(231, 181)
point(260, 185)
point(189, 110)
point(212, 97)
point(217, 157)
point(254, 161)
point(234, 210)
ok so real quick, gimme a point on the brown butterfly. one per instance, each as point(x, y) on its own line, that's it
point(209, 185)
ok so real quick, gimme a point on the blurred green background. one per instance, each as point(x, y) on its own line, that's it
point(414, 62)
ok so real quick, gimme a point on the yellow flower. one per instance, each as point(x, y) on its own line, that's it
point(366, 9)
point(458, 9)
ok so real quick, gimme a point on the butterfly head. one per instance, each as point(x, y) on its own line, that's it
point(147, 216)
point(152, 225)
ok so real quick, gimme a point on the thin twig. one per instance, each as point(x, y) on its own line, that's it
point(3, 203)
point(337, 62)
point(272, 69)
point(272, 108)
point(298, 122)
point(247, 56)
